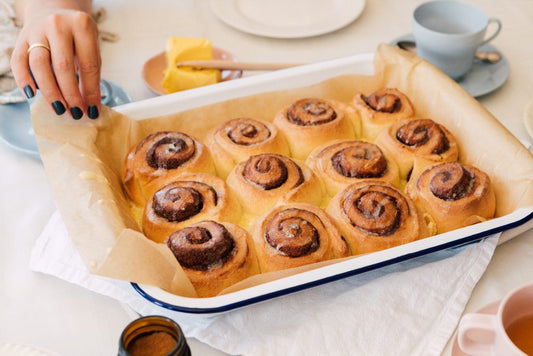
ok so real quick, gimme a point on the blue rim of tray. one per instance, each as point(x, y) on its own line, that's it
point(281, 292)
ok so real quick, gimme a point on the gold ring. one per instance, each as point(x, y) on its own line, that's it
point(35, 45)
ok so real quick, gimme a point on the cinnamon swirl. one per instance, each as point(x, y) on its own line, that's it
point(374, 215)
point(268, 179)
point(380, 109)
point(237, 139)
point(160, 158)
point(417, 144)
point(195, 197)
point(454, 195)
point(214, 255)
point(295, 235)
point(342, 163)
point(310, 122)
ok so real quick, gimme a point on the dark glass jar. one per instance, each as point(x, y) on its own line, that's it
point(153, 336)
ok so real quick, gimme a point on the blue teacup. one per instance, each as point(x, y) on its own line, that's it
point(448, 33)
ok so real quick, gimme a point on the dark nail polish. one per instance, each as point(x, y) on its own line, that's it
point(29, 92)
point(59, 108)
point(92, 112)
point(76, 112)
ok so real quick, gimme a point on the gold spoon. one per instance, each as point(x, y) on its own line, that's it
point(485, 56)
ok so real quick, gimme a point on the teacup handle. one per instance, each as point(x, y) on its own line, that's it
point(498, 29)
point(471, 322)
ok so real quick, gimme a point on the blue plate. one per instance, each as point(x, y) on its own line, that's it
point(483, 78)
point(16, 128)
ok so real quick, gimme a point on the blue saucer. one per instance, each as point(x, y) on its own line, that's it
point(16, 128)
point(483, 78)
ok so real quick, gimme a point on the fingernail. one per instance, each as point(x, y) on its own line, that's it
point(29, 92)
point(92, 112)
point(76, 112)
point(59, 108)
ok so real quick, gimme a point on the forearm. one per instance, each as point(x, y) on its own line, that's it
point(26, 9)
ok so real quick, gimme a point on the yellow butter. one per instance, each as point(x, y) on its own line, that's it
point(185, 49)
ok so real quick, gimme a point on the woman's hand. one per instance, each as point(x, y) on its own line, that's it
point(57, 52)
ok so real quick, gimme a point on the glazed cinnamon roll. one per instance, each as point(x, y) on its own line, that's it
point(195, 197)
point(214, 255)
point(161, 158)
point(310, 122)
point(237, 139)
point(380, 109)
point(268, 179)
point(417, 144)
point(374, 215)
point(295, 235)
point(342, 163)
point(454, 195)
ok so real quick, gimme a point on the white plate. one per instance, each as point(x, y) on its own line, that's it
point(287, 18)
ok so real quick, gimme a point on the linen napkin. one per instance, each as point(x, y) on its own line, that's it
point(410, 307)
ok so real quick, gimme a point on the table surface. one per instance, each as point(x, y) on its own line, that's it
point(50, 313)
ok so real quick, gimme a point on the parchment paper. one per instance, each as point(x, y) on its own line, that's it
point(83, 160)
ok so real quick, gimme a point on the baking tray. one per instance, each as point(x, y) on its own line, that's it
point(336, 271)
point(511, 224)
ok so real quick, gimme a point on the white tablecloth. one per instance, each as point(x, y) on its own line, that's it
point(41, 310)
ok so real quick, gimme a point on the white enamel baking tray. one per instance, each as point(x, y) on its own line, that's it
point(512, 224)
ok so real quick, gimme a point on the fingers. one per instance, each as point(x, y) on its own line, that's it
point(21, 71)
point(64, 72)
point(41, 68)
point(73, 42)
point(88, 56)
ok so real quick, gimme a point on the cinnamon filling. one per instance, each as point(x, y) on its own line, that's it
point(202, 246)
point(270, 171)
point(375, 212)
point(360, 160)
point(291, 232)
point(451, 181)
point(421, 132)
point(387, 103)
point(171, 151)
point(311, 112)
point(177, 203)
point(247, 132)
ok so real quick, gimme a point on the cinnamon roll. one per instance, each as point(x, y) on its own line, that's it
point(374, 215)
point(214, 255)
point(310, 122)
point(295, 235)
point(192, 198)
point(380, 109)
point(342, 163)
point(161, 158)
point(268, 179)
point(237, 139)
point(417, 144)
point(454, 195)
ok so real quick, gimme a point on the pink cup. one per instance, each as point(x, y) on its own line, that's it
point(473, 328)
